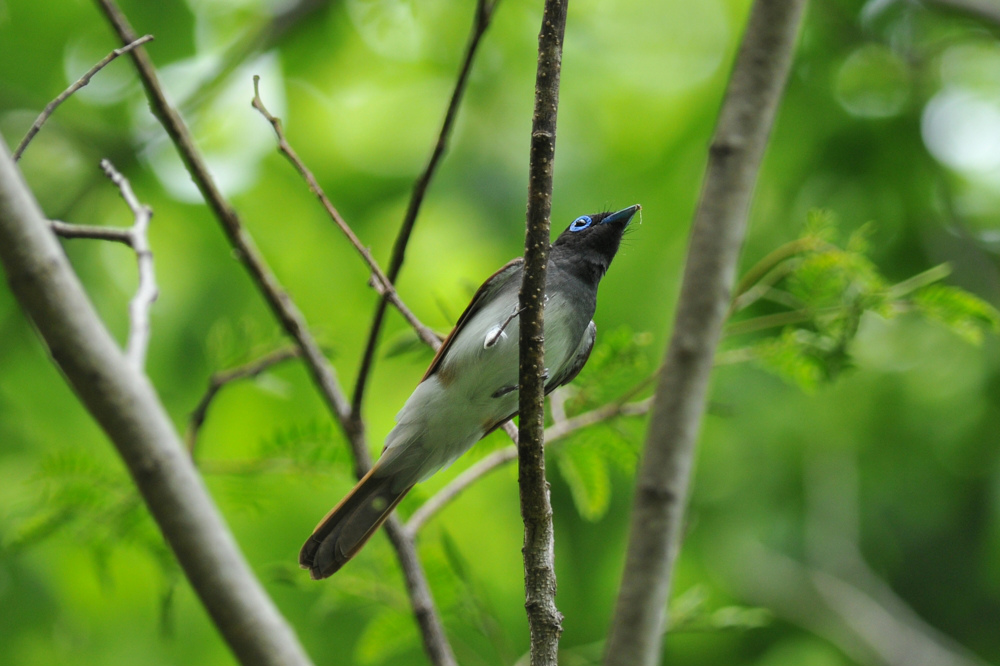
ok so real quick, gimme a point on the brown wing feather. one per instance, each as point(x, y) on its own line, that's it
point(492, 283)
point(349, 525)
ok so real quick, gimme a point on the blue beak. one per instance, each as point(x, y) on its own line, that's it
point(622, 217)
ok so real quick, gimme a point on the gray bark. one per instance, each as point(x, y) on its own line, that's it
point(124, 403)
point(745, 121)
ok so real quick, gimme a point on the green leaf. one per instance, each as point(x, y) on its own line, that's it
point(619, 360)
point(790, 358)
point(586, 472)
point(387, 634)
point(968, 316)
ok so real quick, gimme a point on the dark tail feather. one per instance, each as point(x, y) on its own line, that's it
point(342, 533)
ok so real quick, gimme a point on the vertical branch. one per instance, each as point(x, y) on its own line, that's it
point(138, 307)
point(125, 405)
point(484, 12)
point(544, 619)
point(745, 121)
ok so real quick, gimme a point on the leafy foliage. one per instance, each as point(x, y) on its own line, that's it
point(822, 291)
point(618, 364)
point(965, 314)
point(888, 117)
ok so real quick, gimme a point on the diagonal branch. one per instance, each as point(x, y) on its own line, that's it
point(432, 631)
point(220, 379)
point(484, 12)
point(124, 403)
point(380, 281)
point(737, 148)
point(544, 619)
point(76, 85)
point(553, 434)
point(277, 298)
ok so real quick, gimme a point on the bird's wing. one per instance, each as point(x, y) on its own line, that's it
point(575, 363)
point(489, 288)
point(568, 372)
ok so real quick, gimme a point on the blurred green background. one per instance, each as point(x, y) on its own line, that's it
point(887, 479)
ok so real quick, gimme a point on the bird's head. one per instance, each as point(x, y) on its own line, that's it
point(588, 245)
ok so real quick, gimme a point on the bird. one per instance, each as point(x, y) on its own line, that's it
point(471, 386)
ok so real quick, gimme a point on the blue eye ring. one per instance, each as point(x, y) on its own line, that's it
point(581, 223)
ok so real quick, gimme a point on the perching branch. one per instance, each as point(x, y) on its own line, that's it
point(281, 304)
point(139, 306)
point(124, 403)
point(381, 283)
point(435, 641)
point(484, 12)
point(76, 85)
point(745, 121)
point(220, 379)
point(557, 431)
point(544, 619)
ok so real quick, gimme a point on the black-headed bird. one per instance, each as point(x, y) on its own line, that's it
point(470, 388)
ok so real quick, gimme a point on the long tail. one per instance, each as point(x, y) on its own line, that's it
point(342, 533)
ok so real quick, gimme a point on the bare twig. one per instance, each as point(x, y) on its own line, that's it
point(379, 280)
point(764, 322)
point(281, 304)
point(123, 402)
point(766, 266)
point(145, 295)
point(664, 475)
point(66, 230)
point(544, 618)
point(220, 379)
point(259, 38)
point(553, 434)
point(484, 12)
point(64, 95)
point(277, 298)
point(919, 281)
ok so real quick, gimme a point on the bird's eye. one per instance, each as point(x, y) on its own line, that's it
point(580, 223)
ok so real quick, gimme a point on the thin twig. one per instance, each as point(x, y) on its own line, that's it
point(553, 434)
point(67, 230)
point(484, 12)
point(146, 293)
point(281, 304)
point(919, 281)
point(762, 287)
point(277, 298)
point(544, 618)
point(771, 261)
point(64, 95)
point(764, 322)
point(379, 280)
point(220, 379)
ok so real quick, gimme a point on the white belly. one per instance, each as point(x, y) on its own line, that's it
point(452, 409)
